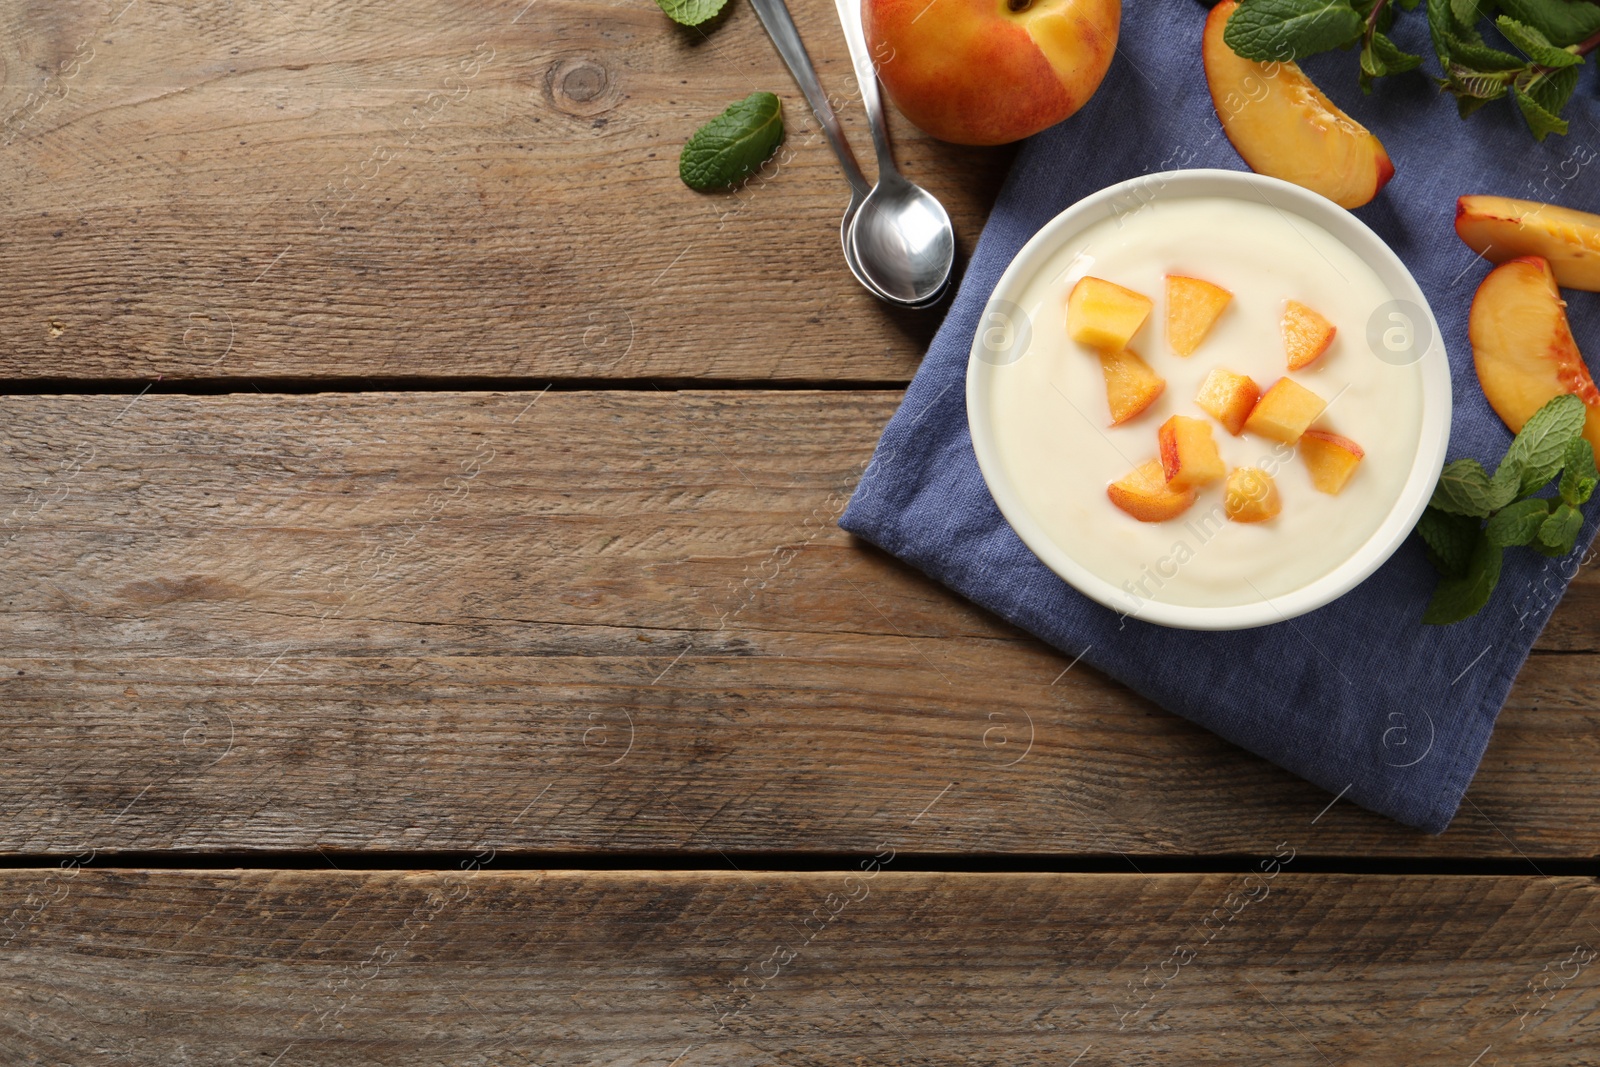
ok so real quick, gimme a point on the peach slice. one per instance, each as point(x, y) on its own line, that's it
point(1188, 454)
point(1250, 495)
point(1144, 494)
point(1192, 309)
point(1523, 348)
point(1131, 386)
point(1306, 335)
point(1228, 397)
point(1283, 126)
point(1499, 228)
point(1284, 411)
point(1330, 458)
point(1104, 315)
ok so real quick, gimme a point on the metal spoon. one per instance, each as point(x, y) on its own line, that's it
point(786, 38)
point(902, 235)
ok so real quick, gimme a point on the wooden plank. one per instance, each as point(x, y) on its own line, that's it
point(703, 969)
point(428, 187)
point(575, 621)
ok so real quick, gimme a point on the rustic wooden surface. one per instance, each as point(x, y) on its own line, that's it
point(595, 620)
point(440, 617)
point(318, 967)
point(427, 187)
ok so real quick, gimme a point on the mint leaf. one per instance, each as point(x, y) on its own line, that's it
point(1381, 56)
point(1480, 57)
point(1578, 474)
point(1464, 489)
point(691, 12)
point(1371, 66)
point(1517, 524)
point(1280, 30)
point(1447, 31)
point(1472, 94)
point(1560, 530)
point(733, 145)
point(1554, 89)
point(1455, 599)
point(1563, 22)
point(1535, 45)
point(1393, 57)
point(1466, 12)
point(1441, 27)
point(1474, 88)
point(1448, 540)
point(1542, 443)
point(1540, 121)
point(1506, 485)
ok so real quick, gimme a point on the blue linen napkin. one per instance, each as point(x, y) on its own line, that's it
point(1357, 697)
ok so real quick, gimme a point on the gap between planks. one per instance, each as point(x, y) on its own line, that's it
point(270, 386)
point(713, 863)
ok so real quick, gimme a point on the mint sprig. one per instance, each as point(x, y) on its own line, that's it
point(691, 12)
point(732, 146)
point(1473, 517)
point(1545, 42)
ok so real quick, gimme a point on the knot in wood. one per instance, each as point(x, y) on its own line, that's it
point(580, 87)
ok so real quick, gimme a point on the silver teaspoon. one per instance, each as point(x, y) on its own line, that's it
point(903, 237)
point(786, 38)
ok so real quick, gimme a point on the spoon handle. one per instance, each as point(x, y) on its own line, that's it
point(780, 27)
point(867, 77)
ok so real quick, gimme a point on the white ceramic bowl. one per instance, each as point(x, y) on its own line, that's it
point(1345, 227)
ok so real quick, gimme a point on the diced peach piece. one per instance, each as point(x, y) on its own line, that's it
point(1104, 315)
point(1188, 454)
point(1228, 397)
point(1284, 411)
point(1193, 307)
point(1250, 495)
point(1306, 335)
point(1499, 228)
point(1283, 126)
point(1330, 458)
point(1131, 386)
point(1144, 494)
point(1523, 347)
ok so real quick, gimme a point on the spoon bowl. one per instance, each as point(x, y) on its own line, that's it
point(904, 241)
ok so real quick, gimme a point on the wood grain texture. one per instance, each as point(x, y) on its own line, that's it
point(427, 187)
point(574, 621)
point(700, 970)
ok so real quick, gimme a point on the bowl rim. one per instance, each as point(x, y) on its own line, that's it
point(1434, 367)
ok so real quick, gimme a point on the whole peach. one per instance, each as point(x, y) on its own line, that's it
point(990, 71)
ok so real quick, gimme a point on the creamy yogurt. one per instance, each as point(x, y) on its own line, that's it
point(1051, 422)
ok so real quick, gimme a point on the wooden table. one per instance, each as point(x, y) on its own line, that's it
point(427, 637)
